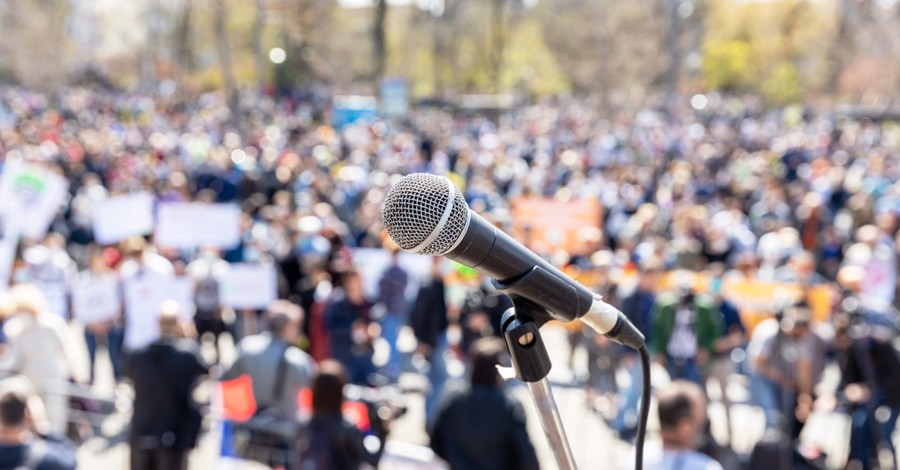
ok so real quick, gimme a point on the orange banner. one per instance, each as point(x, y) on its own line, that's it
point(545, 224)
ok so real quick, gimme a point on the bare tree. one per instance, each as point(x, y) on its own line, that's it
point(220, 19)
point(379, 40)
point(498, 42)
point(184, 38)
point(259, 24)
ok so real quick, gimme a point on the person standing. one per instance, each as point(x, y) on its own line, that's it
point(36, 349)
point(870, 385)
point(206, 272)
point(392, 296)
point(429, 322)
point(351, 330)
point(480, 426)
point(140, 263)
point(259, 355)
point(111, 331)
point(331, 441)
point(685, 328)
point(166, 422)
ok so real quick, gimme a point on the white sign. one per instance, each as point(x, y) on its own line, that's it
point(249, 286)
point(96, 300)
point(143, 298)
point(372, 262)
point(30, 197)
point(120, 217)
point(193, 225)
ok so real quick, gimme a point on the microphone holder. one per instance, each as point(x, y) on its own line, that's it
point(521, 330)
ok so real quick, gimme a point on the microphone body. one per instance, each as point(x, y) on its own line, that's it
point(426, 214)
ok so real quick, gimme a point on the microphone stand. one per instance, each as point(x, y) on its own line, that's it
point(532, 364)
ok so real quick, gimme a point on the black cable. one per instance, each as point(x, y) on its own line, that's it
point(645, 409)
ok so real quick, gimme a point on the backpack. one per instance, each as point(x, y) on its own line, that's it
point(206, 296)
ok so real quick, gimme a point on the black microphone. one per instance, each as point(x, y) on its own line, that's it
point(427, 214)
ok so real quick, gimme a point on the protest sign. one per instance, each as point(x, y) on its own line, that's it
point(30, 198)
point(249, 286)
point(193, 225)
point(372, 262)
point(96, 300)
point(143, 298)
point(120, 217)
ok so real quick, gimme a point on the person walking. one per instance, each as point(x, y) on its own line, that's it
point(166, 422)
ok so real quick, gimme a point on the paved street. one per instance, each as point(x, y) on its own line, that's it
point(593, 444)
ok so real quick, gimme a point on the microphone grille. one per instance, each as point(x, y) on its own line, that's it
point(425, 214)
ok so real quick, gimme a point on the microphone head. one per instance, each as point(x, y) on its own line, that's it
point(425, 214)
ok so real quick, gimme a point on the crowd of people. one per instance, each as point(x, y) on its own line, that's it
point(733, 191)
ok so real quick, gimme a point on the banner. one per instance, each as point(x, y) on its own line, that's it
point(96, 300)
point(121, 217)
point(30, 197)
point(143, 298)
point(249, 286)
point(547, 224)
point(195, 225)
point(758, 300)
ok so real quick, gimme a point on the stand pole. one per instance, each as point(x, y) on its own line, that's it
point(532, 364)
point(552, 424)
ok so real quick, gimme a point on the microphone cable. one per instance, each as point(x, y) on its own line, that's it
point(644, 408)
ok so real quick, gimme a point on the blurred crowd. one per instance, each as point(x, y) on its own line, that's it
point(731, 191)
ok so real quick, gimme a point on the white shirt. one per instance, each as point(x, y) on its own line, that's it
point(683, 344)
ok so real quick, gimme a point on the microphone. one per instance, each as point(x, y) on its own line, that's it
point(426, 214)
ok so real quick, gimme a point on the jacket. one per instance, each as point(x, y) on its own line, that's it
point(258, 356)
point(482, 428)
point(164, 374)
point(428, 318)
point(707, 325)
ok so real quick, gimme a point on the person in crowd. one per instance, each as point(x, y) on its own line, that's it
point(638, 307)
point(481, 312)
point(36, 349)
point(330, 441)
point(259, 356)
point(25, 440)
point(429, 320)
point(480, 426)
point(251, 322)
point(870, 387)
point(165, 424)
point(800, 269)
point(726, 349)
point(392, 297)
point(140, 259)
point(109, 331)
point(602, 353)
point(685, 328)
point(140, 262)
point(351, 330)
point(787, 357)
point(682, 420)
point(206, 272)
